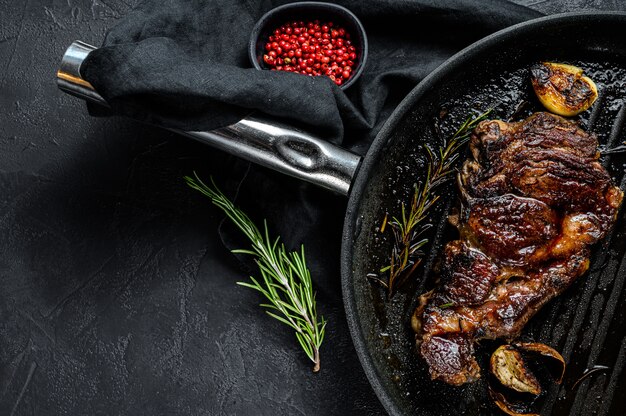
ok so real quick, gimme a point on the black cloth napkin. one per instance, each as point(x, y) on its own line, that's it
point(184, 63)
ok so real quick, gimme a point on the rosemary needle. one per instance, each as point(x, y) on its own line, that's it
point(285, 279)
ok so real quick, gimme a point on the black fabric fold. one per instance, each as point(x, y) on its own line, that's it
point(183, 64)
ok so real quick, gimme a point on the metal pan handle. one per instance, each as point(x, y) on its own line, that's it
point(274, 145)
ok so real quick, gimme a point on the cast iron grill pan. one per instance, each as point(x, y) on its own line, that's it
point(586, 323)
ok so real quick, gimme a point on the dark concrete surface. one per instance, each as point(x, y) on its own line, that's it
point(116, 295)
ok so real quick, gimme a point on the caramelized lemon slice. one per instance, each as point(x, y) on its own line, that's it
point(562, 88)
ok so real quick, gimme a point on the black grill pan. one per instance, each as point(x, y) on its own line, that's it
point(587, 322)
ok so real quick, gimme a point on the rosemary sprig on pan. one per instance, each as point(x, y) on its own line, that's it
point(408, 229)
point(285, 279)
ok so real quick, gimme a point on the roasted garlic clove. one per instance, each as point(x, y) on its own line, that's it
point(545, 351)
point(507, 365)
point(562, 88)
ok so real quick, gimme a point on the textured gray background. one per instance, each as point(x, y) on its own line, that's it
point(115, 295)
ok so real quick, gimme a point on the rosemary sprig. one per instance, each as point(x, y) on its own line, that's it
point(285, 279)
point(409, 228)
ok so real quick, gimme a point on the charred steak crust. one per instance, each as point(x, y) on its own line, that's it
point(534, 198)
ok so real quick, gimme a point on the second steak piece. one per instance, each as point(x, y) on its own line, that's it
point(533, 199)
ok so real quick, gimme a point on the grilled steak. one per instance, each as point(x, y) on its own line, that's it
point(533, 199)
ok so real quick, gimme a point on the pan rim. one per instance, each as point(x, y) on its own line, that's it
point(375, 151)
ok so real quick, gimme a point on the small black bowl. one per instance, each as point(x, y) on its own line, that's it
point(308, 11)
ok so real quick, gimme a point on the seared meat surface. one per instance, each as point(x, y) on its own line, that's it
point(511, 228)
point(533, 199)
